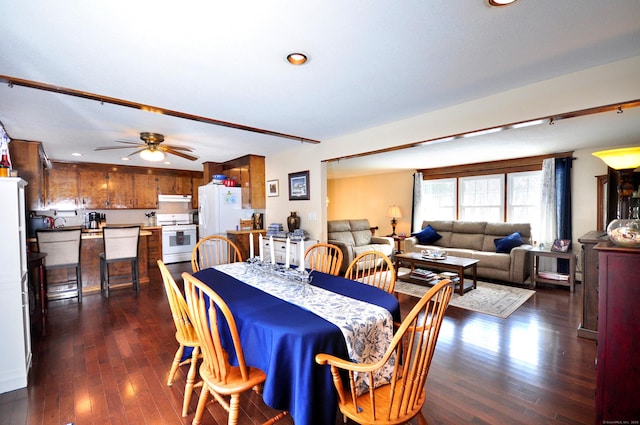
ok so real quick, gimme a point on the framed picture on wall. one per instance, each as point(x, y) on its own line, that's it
point(299, 186)
point(273, 188)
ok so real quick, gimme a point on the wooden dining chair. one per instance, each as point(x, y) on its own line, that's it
point(373, 268)
point(220, 379)
point(409, 356)
point(214, 250)
point(324, 257)
point(185, 335)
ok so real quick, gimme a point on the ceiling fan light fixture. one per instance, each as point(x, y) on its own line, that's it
point(152, 155)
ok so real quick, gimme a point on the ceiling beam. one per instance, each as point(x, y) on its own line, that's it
point(13, 81)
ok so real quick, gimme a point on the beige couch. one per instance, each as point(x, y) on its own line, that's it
point(355, 237)
point(476, 240)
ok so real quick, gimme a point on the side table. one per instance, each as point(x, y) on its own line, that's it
point(537, 253)
point(399, 240)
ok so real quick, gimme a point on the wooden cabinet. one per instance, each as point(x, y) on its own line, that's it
point(249, 171)
point(62, 188)
point(618, 374)
point(92, 189)
point(588, 328)
point(27, 158)
point(145, 191)
point(241, 239)
point(101, 186)
point(154, 245)
point(120, 190)
point(195, 183)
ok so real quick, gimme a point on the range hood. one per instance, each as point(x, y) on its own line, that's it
point(174, 198)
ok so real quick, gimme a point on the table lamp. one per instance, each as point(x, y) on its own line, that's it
point(394, 213)
point(623, 231)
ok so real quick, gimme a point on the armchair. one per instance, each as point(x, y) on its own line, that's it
point(354, 237)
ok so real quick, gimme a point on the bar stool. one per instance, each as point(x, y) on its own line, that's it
point(62, 247)
point(120, 245)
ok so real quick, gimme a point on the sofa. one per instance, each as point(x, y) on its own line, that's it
point(477, 240)
point(354, 237)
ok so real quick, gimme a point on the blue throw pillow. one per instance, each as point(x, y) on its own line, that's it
point(427, 236)
point(506, 244)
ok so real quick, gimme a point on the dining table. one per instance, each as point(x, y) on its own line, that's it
point(284, 323)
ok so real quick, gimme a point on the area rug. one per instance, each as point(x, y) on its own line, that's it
point(487, 298)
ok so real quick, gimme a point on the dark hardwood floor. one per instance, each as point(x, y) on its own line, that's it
point(106, 362)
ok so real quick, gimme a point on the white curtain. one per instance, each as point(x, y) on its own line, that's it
point(417, 202)
point(547, 232)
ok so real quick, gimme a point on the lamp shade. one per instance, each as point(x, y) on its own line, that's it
point(620, 159)
point(152, 155)
point(394, 211)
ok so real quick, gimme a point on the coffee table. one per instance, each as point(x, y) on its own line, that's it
point(455, 264)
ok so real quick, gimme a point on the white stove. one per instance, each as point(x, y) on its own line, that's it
point(179, 237)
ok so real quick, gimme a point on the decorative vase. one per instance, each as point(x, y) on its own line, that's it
point(293, 221)
point(625, 232)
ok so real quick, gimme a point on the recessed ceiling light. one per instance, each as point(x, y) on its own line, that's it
point(76, 154)
point(500, 2)
point(125, 158)
point(297, 58)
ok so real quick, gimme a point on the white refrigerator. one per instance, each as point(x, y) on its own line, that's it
point(219, 209)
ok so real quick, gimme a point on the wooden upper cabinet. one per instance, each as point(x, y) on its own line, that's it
point(146, 191)
point(183, 185)
point(120, 190)
point(92, 190)
point(62, 188)
point(166, 185)
point(27, 157)
point(196, 182)
point(249, 171)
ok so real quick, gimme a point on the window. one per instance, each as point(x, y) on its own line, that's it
point(482, 198)
point(439, 199)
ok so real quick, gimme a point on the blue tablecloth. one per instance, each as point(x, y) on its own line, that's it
point(283, 340)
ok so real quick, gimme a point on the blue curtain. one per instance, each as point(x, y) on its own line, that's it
point(563, 204)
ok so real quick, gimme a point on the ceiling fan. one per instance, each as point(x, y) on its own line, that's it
point(152, 149)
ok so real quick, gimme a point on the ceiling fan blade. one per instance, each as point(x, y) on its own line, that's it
point(104, 148)
point(178, 148)
point(178, 153)
point(128, 142)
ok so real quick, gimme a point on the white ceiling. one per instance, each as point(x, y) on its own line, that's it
point(371, 63)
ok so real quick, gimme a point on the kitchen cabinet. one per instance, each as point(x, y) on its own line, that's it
point(195, 183)
point(120, 190)
point(92, 189)
point(15, 324)
point(27, 158)
point(146, 191)
point(166, 185)
point(154, 245)
point(280, 250)
point(62, 188)
point(618, 374)
point(241, 239)
point(183, 185)
point(249, 171)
